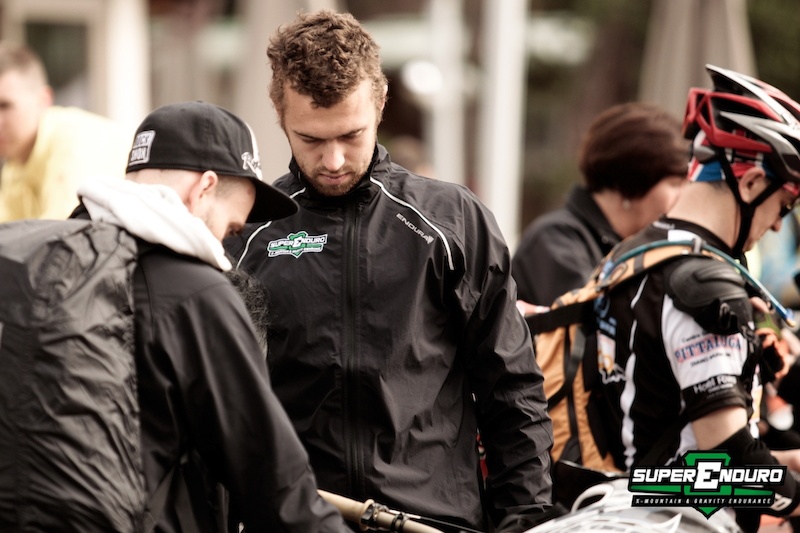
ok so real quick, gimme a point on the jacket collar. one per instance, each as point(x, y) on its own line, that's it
point(581, 204)
point(363, 191)
point(666, 223)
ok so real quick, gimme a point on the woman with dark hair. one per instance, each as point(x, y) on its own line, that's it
point(634, 162)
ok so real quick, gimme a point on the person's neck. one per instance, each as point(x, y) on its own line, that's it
point(618, 211)
point(711, 207)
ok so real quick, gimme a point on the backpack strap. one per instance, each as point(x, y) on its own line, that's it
point(643, 258)
point(183, 497)
point(560, 316)
point(158, 501)
point(571, 365)
point(628, 265)
point(610, 273)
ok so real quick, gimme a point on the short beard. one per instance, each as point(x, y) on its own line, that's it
point(335, 190)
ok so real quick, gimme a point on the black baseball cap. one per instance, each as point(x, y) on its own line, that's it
point(201, 136)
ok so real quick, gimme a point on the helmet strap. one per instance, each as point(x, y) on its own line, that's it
point(746, 210)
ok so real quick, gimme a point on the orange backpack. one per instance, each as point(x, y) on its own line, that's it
point(560, 336)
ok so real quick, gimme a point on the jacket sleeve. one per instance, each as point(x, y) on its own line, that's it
point(505, 378)
point(234, 419)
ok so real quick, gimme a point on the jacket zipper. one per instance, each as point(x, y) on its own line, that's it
point(350, 381)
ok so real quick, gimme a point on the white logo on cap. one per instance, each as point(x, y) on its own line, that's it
point(249, 161)
point(140, 153)
point(252, 161)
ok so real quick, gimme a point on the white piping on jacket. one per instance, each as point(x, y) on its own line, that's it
point(428, 222)
point(388, 195)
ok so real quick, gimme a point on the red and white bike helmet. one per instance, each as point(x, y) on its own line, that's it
point(739, 123)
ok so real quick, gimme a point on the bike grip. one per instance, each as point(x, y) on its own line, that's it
point(354, 511)
point(351, 510)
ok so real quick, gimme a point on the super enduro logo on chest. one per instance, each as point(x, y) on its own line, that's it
point(296, 244)
point(708, 483)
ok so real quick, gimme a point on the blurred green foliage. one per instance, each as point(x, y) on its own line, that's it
point(562, 99)
point(775, 28)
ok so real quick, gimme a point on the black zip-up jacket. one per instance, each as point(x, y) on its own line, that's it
point(206, 403)
point(559, 250)
point(203, 388)
point(393, 307)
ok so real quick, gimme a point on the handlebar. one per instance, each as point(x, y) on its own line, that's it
point(375, 517)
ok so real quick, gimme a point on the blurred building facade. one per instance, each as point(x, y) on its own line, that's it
point(121, 58)
point(497, 91)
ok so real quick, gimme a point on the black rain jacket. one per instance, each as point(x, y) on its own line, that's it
point(395, 338)
point(207, 408)
point(559, 250)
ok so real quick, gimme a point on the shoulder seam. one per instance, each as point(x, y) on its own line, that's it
point(423, 217)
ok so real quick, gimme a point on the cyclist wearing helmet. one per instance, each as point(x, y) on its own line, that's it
point(676, 346)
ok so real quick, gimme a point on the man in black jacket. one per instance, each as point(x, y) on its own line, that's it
point(193, 177)
point(395, 336)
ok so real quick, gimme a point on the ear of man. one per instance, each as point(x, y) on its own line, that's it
point(202, 191)
point(47, 97)
point(752, 183)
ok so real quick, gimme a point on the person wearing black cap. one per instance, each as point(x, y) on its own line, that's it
point(204, 390)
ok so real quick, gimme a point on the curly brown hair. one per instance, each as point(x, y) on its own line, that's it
point(324, 55)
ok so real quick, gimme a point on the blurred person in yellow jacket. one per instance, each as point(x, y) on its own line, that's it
point(47, 151)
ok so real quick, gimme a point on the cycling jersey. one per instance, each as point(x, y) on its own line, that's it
point(657, 361)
